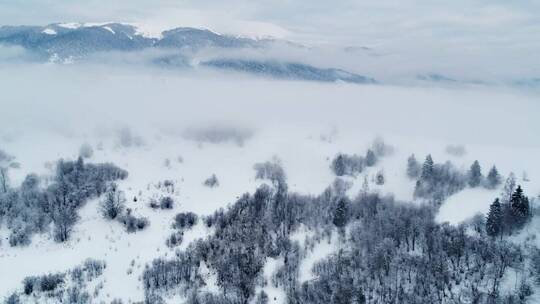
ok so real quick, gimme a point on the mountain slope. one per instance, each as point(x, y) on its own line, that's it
point(287, 70)
point(76, 40)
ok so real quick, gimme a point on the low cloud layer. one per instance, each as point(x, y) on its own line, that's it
point(97, 99)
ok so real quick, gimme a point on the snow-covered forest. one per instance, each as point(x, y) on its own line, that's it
point(221, 159)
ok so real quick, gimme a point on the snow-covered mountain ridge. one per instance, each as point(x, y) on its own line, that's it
point(174, 48)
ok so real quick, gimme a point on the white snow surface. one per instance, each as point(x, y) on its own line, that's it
point(49, 31)
point(290, 120)
point(70, 25)
point(109, 29)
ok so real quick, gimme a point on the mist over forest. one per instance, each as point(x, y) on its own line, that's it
point(204, 153)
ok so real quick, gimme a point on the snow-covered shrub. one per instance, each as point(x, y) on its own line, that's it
point(212, 181)
point(93, 268)
point(19, 237)
point(166, 202)
point(113, 204)
point(141, 223)
point(86, 151)
point(153, 204)
point(185, 220)
point(379, 178)
point(175, 239)
point(133, 223)
point(28, 285)
point(166, 185)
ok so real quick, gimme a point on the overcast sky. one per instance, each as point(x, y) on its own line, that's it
point(348, 20)
point(499, 36)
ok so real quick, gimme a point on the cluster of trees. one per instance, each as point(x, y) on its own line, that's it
point(438, 181)
point(31, 207)
point(270, 170)
point(133, 223)
point(166, 202)
point(245, 234)
point(510, 214)
point(63, 287)
point(390, 252)
point(344, 164)
point(112, 207)
point(185, 220)
point(182, 221)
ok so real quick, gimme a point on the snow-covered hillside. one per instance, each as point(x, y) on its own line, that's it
point(160, 126)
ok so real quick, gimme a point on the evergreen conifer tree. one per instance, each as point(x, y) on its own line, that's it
point(520, 209)
point(493, 178)
point(413, 167)
point(338, 165)
point(371, 158)
point(494, 219)
point(475, 174)
point(341, 214)
point(427, 168)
